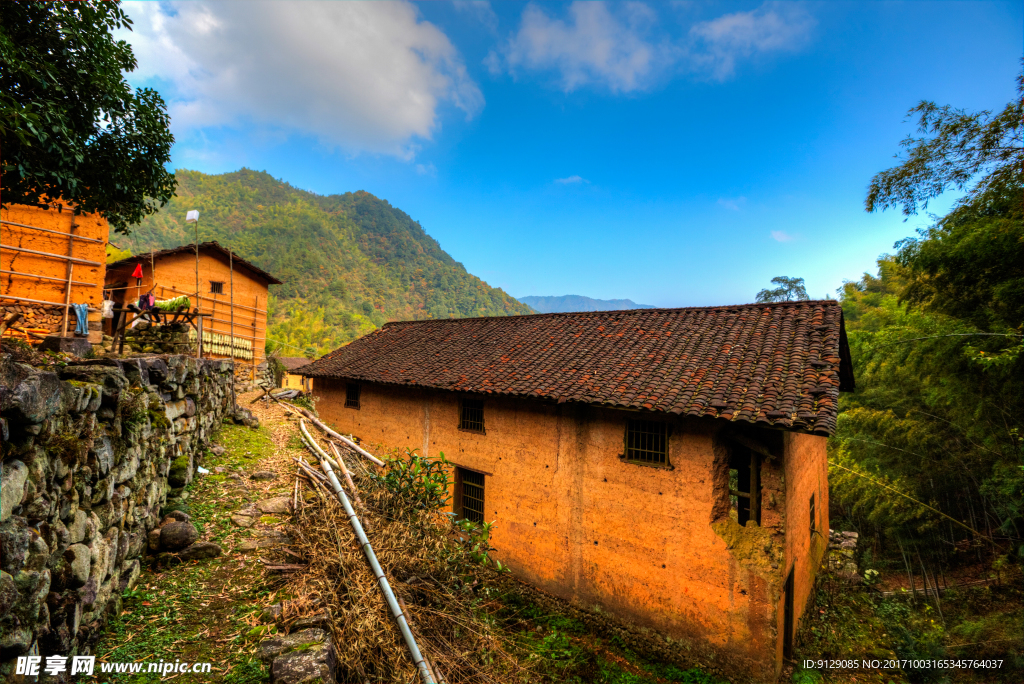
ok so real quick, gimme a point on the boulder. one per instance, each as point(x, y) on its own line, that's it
point(243, 520)
point(264, 475)
point(176, 516)
point(12, 487)
point(78, 558)
point(279, 504)
point(153, 539)
point(200, 550)
point(177, 535)
point(302, 657)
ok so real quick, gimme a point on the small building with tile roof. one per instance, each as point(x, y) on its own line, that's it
point(233, 294)
point(665, 466)
point(293, 379)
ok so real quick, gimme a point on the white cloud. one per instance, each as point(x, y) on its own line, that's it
point(626, 51)
point(571, 180)
point(781, 236)
point(733, 203)
point(481, 10)
point(772, 27)
point(592, 46)
point(426, 170)
point(361, 76)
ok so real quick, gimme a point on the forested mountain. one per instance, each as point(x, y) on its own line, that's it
point(349, 262)
point(579, 303)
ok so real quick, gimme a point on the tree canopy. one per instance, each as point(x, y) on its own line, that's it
point(71, 128)
point(788, 290)
point(936, 339)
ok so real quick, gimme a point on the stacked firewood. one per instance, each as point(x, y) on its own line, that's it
point(36, 317)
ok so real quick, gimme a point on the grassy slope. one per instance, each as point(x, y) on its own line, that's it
point(349, 262)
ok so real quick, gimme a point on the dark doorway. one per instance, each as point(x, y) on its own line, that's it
point(787, 619)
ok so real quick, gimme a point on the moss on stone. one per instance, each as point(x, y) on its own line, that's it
point(178, 474)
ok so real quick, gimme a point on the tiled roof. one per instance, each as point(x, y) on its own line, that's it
point(213, 247)
point(293, 363)
point(780, 364)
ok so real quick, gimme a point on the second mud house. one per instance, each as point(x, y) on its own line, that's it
point(232, 290)
point(667, 466)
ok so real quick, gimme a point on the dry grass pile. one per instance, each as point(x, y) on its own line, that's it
point(438, 568)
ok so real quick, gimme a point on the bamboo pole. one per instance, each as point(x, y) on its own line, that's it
point(231, 297)
point(62, 257)
point(36, 301)
point(42, 277)
point(347, 474)
point(316, 421)
point(67, 285)
point(239, 306)
point(55, 232)
point(371, 557)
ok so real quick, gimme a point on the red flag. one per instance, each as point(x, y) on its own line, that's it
point(138, 271)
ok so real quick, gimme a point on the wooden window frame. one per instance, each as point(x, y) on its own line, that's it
point(753, 496)
point(482, 430)
point(665, 462)
point(350, 402)
point(216, 287)
point(478, 480)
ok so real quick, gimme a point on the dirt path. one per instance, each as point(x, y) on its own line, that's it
point(207, 611)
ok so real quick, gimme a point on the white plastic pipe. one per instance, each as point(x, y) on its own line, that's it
point(385, 588)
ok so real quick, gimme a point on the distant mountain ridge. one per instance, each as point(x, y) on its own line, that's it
point(350, 262)
point(567, 303)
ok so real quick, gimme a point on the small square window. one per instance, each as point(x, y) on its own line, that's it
point(647, 442)
point(470, 491)
point(471, 416)
point(351, 395)
point(216, 288)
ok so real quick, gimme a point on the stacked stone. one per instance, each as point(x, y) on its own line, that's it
point(147, 338)
point(842, 548)
point(90, 454)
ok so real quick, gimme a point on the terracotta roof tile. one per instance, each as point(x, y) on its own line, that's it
point(782, 364)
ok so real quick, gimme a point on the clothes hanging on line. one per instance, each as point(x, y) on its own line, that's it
point(108, 308)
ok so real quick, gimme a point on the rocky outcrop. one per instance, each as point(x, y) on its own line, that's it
point(94, 454)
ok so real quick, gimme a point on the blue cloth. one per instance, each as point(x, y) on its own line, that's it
point(82, 317)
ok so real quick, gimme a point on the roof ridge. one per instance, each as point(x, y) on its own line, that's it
point(553, 314)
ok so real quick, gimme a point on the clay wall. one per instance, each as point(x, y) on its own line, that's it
point(806, 466)
point(91, 454)
point(88, 279)
point(653, 546)
point(176, 275)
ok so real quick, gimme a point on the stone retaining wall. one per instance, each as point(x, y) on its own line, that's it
point(92, 452)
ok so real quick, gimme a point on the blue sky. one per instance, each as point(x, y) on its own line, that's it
point(675, 154)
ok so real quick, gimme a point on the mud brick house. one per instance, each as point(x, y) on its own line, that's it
point(232, 291)
point(666, 466)
point(292, 378)
point(49, 259)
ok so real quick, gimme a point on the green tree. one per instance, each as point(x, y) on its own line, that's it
point(970, 263)
point(70, 126)
point(788, 290)
point(936, 340)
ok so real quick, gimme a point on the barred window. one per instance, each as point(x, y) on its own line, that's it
point(351, 395)
point(471, 416)
point(814, 516)
point(216, 288)
point(647, 442)
point(470, 489)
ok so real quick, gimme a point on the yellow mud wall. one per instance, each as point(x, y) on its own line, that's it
point(175, 275)
point(85, 225)
point(653, 546)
